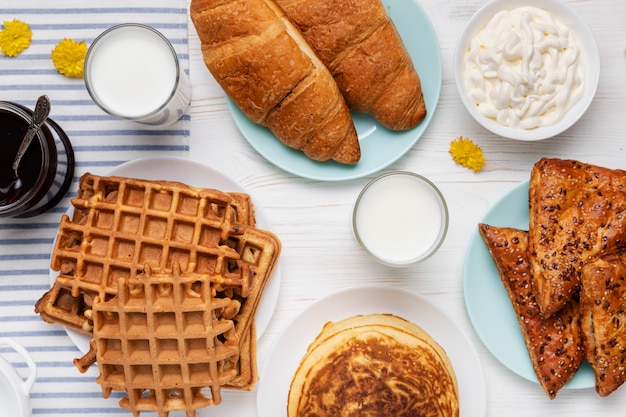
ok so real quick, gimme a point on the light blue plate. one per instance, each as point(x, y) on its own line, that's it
point(380, 147)
point(487, 302)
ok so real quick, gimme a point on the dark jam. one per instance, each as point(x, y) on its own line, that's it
point(12, 131)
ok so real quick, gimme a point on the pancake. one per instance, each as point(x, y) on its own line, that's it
point(374, 365)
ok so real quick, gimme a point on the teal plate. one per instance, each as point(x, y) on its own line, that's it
point(380, 147)
point(487, 302)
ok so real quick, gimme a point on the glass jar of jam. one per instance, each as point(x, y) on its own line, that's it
point(46, 169)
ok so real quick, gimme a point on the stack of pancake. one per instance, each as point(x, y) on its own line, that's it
point(374, 365)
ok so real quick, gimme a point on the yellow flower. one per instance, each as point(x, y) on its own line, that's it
point(15, 37)
point(68, 57)
point(467, 154)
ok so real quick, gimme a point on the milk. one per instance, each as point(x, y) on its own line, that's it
point(400, 218)
point(132, 72)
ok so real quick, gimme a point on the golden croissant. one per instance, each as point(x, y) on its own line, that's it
point(360, 45)
point(267, 68)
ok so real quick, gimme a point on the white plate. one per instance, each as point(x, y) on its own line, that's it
point(198, 175)
point(487, 302)
point(380, 147)
point(290, 346)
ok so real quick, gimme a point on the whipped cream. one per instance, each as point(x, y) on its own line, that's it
point(523, 69)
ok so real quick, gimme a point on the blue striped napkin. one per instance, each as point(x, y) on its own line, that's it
point(100, 143)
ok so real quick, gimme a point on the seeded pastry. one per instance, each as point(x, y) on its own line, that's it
point(603, 308)
point(577, 211)
point(554, 342)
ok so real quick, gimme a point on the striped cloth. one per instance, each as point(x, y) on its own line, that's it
point(100, 143)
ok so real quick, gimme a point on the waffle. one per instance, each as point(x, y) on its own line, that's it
point(120, 225)
point(162, 340)
point(246, 367)
point(247, 372)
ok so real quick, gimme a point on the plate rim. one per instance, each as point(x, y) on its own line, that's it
point(275, 280)
point(477, 399)
point(520, 366)
point(350, 172)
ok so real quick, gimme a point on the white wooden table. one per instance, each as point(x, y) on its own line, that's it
point(312, 218)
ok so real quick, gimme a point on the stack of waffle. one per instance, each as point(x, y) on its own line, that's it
point(177, 272)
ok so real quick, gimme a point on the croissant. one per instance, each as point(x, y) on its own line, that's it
point(266, 67)
point(360, 45)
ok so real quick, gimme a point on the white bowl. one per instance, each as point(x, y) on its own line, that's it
point(590, 63)
point(15, 392)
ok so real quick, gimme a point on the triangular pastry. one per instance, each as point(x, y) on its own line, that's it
point(554, 342)
point(577, 211)
point(603, 309)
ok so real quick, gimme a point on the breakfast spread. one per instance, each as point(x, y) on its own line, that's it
point(197, 251)
point(361, 47)
point(523, 68)
point(554, 341)
point(165, 278)
point(266, 67)
point(564, 275)
point(376, 364)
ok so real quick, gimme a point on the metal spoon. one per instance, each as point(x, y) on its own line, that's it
point(40, 114)
point(9, 193)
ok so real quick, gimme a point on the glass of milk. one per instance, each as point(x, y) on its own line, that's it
point(400, 218)
point(132, 72)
